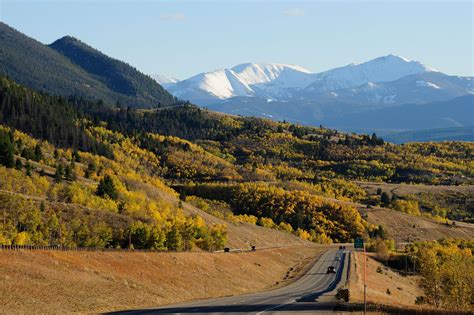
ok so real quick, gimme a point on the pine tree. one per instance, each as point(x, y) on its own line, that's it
point(7, 157)
point(76, 156)
point(18, 164)
point(385, 198)
point(106, 188)
point(174, 240)
point(68, 173)
point(58, 176)
point(38, 153)
point(28, 168)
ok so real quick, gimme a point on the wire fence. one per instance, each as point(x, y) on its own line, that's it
point(75, 249)
point(121, 250)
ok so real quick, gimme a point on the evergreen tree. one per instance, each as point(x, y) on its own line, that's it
point(28, 168)
point(28, 154)
point(38, 153)
point(106, 188)
point(58, 175)
point(7, 157)
point(75, 156)
point(374, 139)
point(68, 173)
point(174, 239)
point(18, 164)
point(385, 198)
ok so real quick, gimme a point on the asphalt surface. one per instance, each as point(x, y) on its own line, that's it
point(314, 292)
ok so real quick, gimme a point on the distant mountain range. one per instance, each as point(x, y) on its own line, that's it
point(442, 134)
point(70, 67)
point(378, 95)
point(387, 95)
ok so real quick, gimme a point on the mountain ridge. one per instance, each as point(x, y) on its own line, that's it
point(356, 90)
point(69, 67)
point(281, 81)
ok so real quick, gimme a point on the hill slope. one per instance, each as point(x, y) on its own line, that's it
point(95, 282)
point(116, 75)
point(73, 68)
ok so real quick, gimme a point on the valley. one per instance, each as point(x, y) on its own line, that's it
point(184, 195)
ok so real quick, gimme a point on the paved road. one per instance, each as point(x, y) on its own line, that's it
point(312, 293)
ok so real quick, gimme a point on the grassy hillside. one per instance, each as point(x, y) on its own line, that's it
point(95, 282)
point(70, 67)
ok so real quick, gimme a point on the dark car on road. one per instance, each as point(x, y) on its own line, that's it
point(331, 269)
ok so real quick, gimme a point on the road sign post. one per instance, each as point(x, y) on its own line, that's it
point(359, 244)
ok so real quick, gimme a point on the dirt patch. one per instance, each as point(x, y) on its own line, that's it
point(91, 282)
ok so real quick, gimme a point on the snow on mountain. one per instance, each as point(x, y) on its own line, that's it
point(382, 69)
point(282, 82)
point(218, 84)
point(418, 88)
point(249, 79)
point(164, 79)
point(286, 76)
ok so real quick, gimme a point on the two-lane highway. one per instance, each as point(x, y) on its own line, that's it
point(312, 293)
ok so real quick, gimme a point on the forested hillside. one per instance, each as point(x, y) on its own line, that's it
point(52, 196)
point(70, 67)
point(91, 175)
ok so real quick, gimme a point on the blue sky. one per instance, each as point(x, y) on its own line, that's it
point(182, 38)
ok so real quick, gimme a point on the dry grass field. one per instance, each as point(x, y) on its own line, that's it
point(405, 227)
point(403, 290)
point(91, 282)
point(406, 189)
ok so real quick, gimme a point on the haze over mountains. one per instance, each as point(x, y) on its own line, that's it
point(340, 98)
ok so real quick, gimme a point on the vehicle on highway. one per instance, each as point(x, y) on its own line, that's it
point(331, 269)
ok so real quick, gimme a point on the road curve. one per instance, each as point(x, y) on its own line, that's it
point(312, 293)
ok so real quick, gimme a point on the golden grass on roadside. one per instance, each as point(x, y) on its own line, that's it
point(385, 287)
point(91, 282)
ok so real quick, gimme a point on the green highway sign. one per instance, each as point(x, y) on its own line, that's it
point(358, 243)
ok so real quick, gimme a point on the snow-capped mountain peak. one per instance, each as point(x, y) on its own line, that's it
point(381, 69)
point(258, 73)
point(284, 82)
point(164, 79)
point(247, 79)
